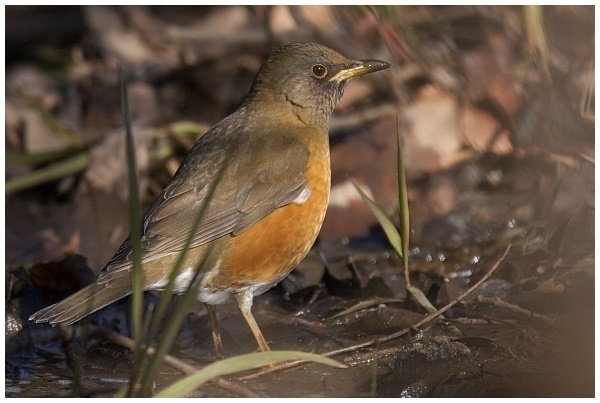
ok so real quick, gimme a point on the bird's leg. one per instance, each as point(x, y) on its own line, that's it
point(244, 301)
point(214, 326)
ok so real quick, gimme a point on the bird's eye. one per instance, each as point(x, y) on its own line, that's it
point(319, 70)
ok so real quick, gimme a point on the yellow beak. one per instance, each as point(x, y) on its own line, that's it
point(363, 67)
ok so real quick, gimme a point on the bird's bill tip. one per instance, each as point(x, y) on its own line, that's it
point(362, 67)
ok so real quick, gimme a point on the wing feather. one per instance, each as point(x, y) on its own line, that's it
point(248, 188)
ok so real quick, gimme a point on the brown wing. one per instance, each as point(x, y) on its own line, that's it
point(249, 186)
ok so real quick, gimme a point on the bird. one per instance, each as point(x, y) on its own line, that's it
point(259, 183)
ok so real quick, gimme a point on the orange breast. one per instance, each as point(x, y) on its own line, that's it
point(269, 250)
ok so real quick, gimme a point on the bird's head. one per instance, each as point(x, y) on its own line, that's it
point(309, 79)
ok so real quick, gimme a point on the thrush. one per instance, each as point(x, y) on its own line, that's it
point(260, 178)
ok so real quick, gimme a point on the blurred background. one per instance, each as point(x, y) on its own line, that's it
point(495, 109)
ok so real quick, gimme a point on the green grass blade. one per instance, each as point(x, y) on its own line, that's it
point(239, 364)
point(388, 226)
point(41, 157)
point(136, 234)
point(420, 298)
point(187, 128)
point(536, 33)
point(174, 322)
point(170, 331)
point(47, 174)
point(403, 206)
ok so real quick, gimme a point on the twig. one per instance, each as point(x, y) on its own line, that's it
point(127, 342)
point(400, 333)
point(173, 362)
point(71, 332)
point(25, 339)
point(478, 321)
point(514, 308)
point(233, 387)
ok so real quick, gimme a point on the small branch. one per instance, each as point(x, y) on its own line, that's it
point(19, 343)
point(234, 387)
point(476, 321)
point(514, 308)
point(396, 335)
point(173, 362)
point(129, 343)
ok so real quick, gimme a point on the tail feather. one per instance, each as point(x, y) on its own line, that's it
point(83, 303)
